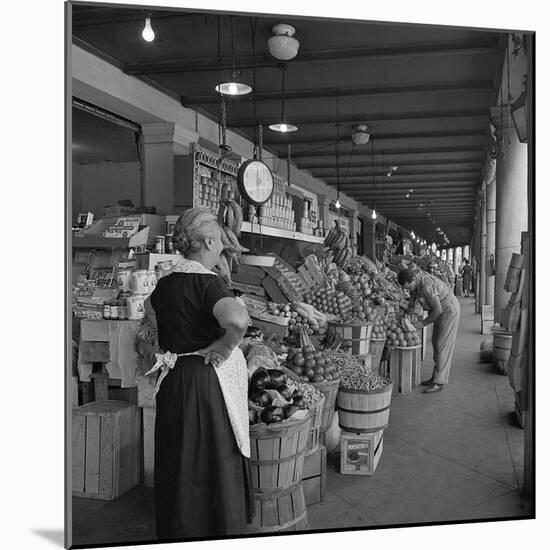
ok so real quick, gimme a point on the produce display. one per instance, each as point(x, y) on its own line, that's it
point(309, 364)
point(329, 300)
point(352, 374)
point(300, 315)
point(230, 218)
point(272, 400)
point(402, 333)
point(338, 242)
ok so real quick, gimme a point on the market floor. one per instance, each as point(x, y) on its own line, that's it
point(450, 456)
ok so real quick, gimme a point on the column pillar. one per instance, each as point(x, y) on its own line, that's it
point(482, 248)
point(511, 199)
point(323, 201)
point(491, 197)
point(161, 141)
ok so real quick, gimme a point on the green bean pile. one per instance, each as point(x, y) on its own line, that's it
point(353, 375)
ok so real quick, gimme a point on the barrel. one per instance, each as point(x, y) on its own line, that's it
point(329, 389)
point(502, 343)
point(276, 462)
point(486, 351)
point(356, 335)
point(280, 511)
point(277, 453)
point(363, 411)
point(376, 350)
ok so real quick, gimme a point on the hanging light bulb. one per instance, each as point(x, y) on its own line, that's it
point(373, 215)
point(283, 125)
point(233, 86)
point(148, 33)
point(337, 204)
point(412, 234)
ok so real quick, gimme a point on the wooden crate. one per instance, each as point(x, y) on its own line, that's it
point(360, 453)
point(404, 368)
point(315, 475)
point(106, 437)
point(486, 326)
point(149, 417)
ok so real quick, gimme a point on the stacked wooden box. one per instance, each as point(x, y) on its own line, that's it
point(106, 454)
point(487, 319)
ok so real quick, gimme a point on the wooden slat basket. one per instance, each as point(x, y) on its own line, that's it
point(277, 462)
point(329, 389)
point(376, 350)
point(362, 411)
point(356, 335)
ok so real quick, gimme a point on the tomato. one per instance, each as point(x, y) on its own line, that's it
point(296, 369)
point(309, 373)
point(299, 360)
point(317, 378)
point(304, 378)
point(328, 377)
point(318, 370)
point(310, 363)
point(321, 361)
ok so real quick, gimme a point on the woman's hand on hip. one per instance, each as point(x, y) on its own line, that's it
point(215, 354)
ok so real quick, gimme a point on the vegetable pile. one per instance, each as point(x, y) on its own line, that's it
point(271, 399)
point(353, 375)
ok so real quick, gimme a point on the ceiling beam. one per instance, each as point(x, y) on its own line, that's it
point(395, 150)
point(245, 62)
point(365, 117)
point(378, 137)
point(364, 172)
point(316, 93)
point(402, 164)
point(106, 16)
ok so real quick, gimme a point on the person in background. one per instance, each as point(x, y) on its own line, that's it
point(202, 476)
point(466, 272)
point(444, 312)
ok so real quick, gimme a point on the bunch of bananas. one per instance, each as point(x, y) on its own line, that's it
point(339, 243)
point(230, 218)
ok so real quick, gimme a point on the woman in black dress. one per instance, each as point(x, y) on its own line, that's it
point(202, 479)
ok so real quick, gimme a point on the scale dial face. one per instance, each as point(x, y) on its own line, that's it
point(255, 182)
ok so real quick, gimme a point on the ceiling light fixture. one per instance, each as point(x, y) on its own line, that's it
point(337, 203)
point(360, 135)
point(283, 125)
point(412, 234)
point(373, 215)
point(233, 86)
point(283, 45)
point(148, 33)
point(337, 151)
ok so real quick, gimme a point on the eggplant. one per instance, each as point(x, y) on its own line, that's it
point(261, 398)
point(277, 378)
point(299, 401)
point(285, 392)
point(272, 414)
point(290, 409)
point(259, 380)
point(252, 416)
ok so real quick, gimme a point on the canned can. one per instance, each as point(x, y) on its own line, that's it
point(168, 245)
point(114, 311)
point(122, 311)
point(106, 310)
point(159, 244)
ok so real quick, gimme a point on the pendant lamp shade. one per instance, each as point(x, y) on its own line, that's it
point(283, 125)
point(233, 85)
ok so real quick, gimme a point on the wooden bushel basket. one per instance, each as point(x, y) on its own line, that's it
point(364, 412)
point(376, 350)
point(329, 389)
point(280, 511)
point(277, 453)
point(356, 335)
point(316, 414)
point(502, 343)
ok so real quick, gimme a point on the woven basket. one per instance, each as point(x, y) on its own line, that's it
point(329, 389)
point(316, 414)
point(376, 350)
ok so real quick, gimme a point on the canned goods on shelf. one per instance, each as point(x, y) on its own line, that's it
point(159, 244)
